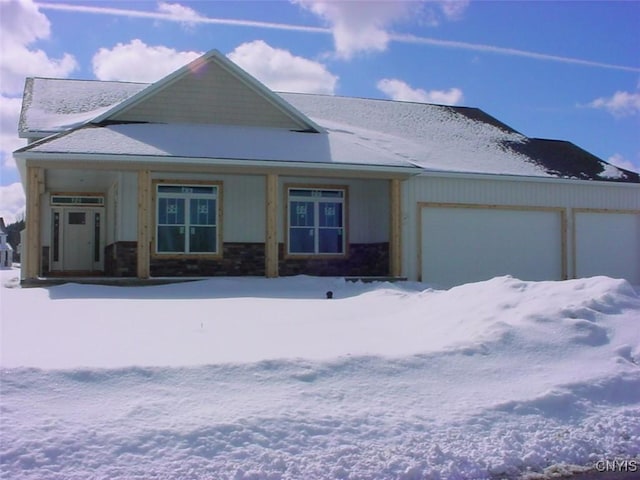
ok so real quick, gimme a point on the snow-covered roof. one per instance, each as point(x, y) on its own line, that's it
point(221, 142)
point(358, 131)
point(53, 105)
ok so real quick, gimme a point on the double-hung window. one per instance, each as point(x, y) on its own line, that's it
point(187, 219)
point(316, 221)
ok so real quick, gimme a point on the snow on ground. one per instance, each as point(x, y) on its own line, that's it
point(250, 378)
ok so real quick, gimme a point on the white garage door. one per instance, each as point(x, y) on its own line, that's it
point(465, 244)
point(608, 244)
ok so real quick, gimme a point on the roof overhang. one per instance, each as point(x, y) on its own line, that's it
point(209, 165)
point(522, 178)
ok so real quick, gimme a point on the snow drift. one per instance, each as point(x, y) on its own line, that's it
point(267, 379)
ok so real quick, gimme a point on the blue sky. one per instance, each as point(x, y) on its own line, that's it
point(568, 70)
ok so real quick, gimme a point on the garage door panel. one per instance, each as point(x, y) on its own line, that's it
point(607, 243)
point(461, 245)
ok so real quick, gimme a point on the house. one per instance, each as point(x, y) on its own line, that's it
point(6, 251)
point(207, 172)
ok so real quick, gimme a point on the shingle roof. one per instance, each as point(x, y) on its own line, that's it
point(359, 131)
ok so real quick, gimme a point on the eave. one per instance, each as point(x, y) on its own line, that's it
point(213, 165)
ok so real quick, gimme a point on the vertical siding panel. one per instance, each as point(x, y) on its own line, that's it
point(244, 213)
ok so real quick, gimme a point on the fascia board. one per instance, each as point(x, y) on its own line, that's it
point(105, 160)
point(521, 178)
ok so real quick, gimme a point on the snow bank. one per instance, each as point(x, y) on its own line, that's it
point(266, 379)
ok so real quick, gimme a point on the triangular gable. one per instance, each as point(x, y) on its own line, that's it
point(210, 90)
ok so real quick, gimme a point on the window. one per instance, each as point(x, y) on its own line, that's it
point(316, 221)
point(187, 219)
point(77, 218)
point(76, 200)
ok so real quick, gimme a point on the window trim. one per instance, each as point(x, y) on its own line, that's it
point(77, 199)
point(345, 221)
point(219, 219)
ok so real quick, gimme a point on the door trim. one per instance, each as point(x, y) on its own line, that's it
point(58, 239)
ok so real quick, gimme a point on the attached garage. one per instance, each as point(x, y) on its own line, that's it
point(462, 243)
point(607, 242)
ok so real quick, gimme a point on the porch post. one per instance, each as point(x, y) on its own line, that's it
point(271, 238)
point(144, 226)
point(395, 239)
point(35, 188)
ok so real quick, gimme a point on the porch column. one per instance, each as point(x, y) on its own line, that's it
point(271, 238)
point(395, 223)
point(144, 223)
point(33, 253)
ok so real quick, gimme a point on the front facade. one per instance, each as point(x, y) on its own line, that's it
point(208, 173)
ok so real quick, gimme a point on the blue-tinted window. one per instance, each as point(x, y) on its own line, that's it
point(302, 240)
point(187, 219)
point(316, 221)
point(302, 214)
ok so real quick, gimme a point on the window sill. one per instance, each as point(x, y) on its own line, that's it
point(185, 256)
point(315, 256)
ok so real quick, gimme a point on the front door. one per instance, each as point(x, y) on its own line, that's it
point(78, 247)
point(77, 244)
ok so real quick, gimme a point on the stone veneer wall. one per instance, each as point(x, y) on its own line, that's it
point(240, 259)
point(120, 259)
point(45, 267)
point(364, 259)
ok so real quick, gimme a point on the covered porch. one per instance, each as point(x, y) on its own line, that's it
point(103, 221)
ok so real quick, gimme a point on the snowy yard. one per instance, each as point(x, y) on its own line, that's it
point(251, 378)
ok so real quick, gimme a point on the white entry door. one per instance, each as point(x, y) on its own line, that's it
point(78, 240)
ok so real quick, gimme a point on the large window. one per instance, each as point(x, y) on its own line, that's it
point(187, 219)
point(316, 221)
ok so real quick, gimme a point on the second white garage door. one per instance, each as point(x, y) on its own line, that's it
point(464, 243)
point(607, 243)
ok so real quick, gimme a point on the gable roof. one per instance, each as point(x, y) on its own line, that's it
point(106, 120)
point(209, 90)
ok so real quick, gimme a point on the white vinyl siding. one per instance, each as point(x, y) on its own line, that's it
point(213, 96)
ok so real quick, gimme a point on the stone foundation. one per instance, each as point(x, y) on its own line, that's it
point(239, 259)
point(120, 259)
point(364, 259)
point(45, 268)
point(248, 259)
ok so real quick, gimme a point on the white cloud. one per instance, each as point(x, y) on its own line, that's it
point(621, 104)
point(185, 15)
point(22, 24)
point(399, 90)
point(12, 202)
point(139, 62)
point(359, 26)
point(363, 26)
point(619, 161)
point(282, 71)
